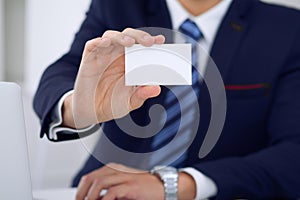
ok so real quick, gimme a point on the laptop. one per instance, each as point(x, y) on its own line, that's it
point(15, 180)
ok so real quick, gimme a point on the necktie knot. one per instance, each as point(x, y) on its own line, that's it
point(190, 28)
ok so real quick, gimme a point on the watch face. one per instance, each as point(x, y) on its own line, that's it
point(168, 169)
point(160, 167)
point(163, 170)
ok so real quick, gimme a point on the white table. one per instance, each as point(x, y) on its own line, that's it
point(58, 194)
point(55, 194)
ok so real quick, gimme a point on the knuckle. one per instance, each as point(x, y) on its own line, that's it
point(127, 30)
point(110, 33)
point(89, 197)
point(86, 178)
point(89, 43)
point(99, 182)
point(79, 196)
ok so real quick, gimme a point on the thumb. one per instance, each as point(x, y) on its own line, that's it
point(141, 94)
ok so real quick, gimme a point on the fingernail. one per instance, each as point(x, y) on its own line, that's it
point(146, 37)
point(127, 38)
point(104, 41)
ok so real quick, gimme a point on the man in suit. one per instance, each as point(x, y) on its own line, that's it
point(257, 51)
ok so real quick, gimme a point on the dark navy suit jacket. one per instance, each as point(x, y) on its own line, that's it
point(257, 51)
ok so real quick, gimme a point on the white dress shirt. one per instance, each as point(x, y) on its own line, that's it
point(208, 23)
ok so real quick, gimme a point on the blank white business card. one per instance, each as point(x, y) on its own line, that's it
point(166, 64)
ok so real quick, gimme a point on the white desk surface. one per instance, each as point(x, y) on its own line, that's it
point(55, 194)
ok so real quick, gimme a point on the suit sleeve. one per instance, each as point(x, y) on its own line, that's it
point(59, 77)
point(273, 172)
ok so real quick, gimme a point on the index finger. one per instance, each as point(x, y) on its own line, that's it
point(143, 37)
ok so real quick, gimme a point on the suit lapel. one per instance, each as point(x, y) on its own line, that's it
point(230, 34)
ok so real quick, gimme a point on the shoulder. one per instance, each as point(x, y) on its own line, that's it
point(273, 21)
point(277, 13)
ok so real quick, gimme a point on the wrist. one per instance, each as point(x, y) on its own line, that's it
point(186, 186)
point(67, 114)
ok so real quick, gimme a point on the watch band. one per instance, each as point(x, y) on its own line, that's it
point(171, 188)
point(169, 177)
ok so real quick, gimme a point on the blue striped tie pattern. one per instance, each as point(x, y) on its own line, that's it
point(179, 108)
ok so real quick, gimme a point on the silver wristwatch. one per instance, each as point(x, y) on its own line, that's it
point(169, 177)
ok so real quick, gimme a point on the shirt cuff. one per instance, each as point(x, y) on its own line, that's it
point(205, 187)
point(56, 115)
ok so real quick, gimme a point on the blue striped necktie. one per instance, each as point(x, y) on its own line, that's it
point(175, 113)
